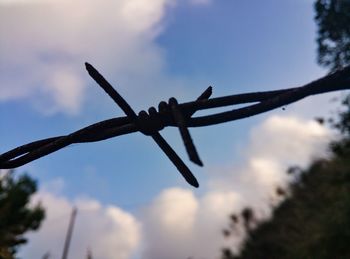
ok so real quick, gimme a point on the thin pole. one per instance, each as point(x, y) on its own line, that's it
point(69, 233)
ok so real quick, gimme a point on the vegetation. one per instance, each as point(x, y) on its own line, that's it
point(333, 19)
point(313, 221)
point(16, 216)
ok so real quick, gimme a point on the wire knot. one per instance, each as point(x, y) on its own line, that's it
point(149, 123)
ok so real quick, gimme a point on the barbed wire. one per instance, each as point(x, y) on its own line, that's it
point(173, 114)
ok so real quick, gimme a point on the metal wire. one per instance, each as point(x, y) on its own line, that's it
point(172, 113)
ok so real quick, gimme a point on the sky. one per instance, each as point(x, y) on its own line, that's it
point(132, 202)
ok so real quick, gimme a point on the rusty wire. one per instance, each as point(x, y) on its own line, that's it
point(172, 113)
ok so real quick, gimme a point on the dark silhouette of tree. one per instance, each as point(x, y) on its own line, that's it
point(333, 19)
point(16, 216)
point(313, 220)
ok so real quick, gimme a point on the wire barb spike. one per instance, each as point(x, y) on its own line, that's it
point(184, 132)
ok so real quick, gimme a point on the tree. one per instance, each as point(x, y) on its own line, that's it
point(333, 19)
point(16, 216)
point(313, 220)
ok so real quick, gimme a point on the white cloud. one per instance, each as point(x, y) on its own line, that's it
point(108, 231)
point(278, 143)
point(170, 218)
point(45, 43)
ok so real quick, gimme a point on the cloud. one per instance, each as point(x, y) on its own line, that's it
point(180, 225)
point(275, 145)
point(108, 231)
point(45, 43)
point(170, 218)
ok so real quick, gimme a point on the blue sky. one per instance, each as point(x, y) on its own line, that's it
point(150, 51)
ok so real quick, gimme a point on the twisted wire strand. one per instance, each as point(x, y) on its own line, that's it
point(173, 114)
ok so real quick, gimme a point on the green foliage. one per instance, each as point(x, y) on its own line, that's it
point(16, 217)
point(333, 20)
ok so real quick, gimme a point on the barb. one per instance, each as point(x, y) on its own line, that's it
point(173, 114)
point(146, 128)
